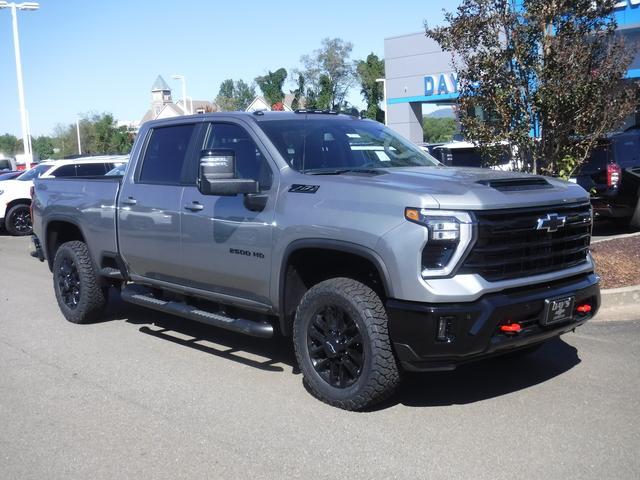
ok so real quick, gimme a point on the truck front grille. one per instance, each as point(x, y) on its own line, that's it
point(510, 244)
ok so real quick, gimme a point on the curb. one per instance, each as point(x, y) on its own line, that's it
point(615, 237)
point(619, 304)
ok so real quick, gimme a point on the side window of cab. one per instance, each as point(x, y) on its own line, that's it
point(250, 162)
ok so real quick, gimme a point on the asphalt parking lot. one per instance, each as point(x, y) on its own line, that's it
point(145, 395)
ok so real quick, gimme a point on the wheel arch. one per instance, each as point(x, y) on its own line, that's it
point(336, 257)
point(57, 231)
point(18, 201)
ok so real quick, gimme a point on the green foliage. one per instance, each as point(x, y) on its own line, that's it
point(8, 144)
point(298, 94)
point(271, 86)
point(328, 74)
point(368, 71)
point(552, 67)
point(234, 96)
point(43, 147)
point(438, 130)
point(99, 135)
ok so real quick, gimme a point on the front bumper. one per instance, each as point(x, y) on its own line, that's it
point(474, 327)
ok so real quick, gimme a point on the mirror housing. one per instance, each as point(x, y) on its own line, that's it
point(217, 174)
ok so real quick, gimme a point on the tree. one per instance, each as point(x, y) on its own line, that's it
point(554, 68)
point(369, 71)
point(438, 130)
point(235, 95)
point(42, 147)
point(99, 135)
point(225, 99)
point(244, 94)
point(8, 144)
point(298, 94)
point(271, 85)
point(328, 74)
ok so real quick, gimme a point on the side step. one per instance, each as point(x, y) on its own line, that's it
point(141, 296)
point(110, 272)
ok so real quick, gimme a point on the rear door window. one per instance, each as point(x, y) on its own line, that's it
point(90, 169)
point(65, 171)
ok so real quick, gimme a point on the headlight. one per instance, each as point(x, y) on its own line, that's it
point(450, 236)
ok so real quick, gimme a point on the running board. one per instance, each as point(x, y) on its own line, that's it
point(141, 296)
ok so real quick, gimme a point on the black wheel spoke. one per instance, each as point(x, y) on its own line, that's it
point(335, 346)
point(351, 367)
point(68, 280)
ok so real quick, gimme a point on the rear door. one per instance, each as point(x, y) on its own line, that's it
point(149, 204)
point(226, 246)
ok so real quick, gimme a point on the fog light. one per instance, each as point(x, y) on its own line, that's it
point(445, 327)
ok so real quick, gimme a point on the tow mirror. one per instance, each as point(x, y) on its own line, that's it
point(217, 174)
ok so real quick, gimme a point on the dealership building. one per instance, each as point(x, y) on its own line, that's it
point(418, 73)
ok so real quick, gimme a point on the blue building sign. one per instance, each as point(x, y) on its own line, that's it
point(440, 84)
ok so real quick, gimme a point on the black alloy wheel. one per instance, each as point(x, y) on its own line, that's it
point(335, 347)
point(68, 279)
point(18, 221)
point(342, 344)
point(80, 293)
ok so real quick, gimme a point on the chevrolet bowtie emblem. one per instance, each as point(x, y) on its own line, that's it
point(551, 223)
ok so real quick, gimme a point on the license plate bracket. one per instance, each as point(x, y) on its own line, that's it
point(558, 310)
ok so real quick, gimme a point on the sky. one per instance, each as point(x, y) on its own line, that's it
point(83, 56)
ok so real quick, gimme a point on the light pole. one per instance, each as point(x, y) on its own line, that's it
point(26, 139)
point(384, 93)
point(184, 93)
point(78, 132)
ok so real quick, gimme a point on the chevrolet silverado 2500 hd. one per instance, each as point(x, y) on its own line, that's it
point(335, 231)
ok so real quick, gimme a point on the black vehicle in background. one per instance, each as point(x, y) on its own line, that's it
point(612, 175)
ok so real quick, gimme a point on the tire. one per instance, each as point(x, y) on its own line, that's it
point(342, 345)
point(17, 222)
point(80, 296)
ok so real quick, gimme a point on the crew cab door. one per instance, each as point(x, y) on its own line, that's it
point(226, 242)
point(149, 205)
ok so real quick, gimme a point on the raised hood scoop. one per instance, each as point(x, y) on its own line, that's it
point(514, 184)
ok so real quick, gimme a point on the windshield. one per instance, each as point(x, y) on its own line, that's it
point(34, 173)
point(327, 145)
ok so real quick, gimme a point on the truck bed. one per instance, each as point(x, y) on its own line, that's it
point(88, 202)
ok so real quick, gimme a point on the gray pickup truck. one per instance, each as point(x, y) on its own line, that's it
point(329, 229)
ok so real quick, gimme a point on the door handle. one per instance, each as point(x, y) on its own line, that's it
point(129, 201)
point(194, 207)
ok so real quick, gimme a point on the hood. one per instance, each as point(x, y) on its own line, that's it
point(15, 186)
point(462, 188)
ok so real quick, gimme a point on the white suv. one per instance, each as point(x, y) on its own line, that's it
point(15, 195)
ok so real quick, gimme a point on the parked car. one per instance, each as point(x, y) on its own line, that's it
point(612, 175)
point(15, 195)
point(7, 164)
point(332, 230)
point(467, 154)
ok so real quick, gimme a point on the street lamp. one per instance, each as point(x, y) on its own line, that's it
point(26, 138)
point(184, 92)
point(384, 93)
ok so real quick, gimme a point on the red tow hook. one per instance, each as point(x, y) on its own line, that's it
point(584, 308)
point(511, 328)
